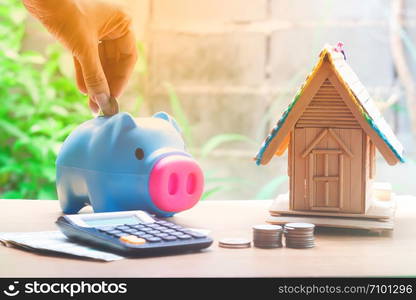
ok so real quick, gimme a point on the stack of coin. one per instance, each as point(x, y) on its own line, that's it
point(235, 243)
point(267, 236)
point(299, 235)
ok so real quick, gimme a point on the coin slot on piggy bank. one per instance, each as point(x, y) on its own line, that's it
point(123, 163)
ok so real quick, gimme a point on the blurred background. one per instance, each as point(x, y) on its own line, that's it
point(224, 69)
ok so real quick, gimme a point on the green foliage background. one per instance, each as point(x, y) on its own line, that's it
point(39, 106)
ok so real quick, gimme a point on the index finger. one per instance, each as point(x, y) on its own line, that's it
point(118, 58)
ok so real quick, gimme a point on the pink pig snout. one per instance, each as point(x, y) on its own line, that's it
point(176, 183)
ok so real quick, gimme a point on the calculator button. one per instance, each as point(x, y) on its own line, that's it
point(153, 231)
point(139, 227)
point(132, 227)
point(184, 237)
point(161, 234)
point(194, 234)
point(168, 230)
point(170, 238)
point(177, 227)
point(154, 239)
point(159, 228)
point(177, 233)
point(139, 233)
point(132, 231)
point(112, 231)
point(151, 225)
point(122, 227)
point(106, 228)
point(161, 222)
point(131, 239)
point(146, 229)
point(147, 236)
point(162, 228)
point(119, 235)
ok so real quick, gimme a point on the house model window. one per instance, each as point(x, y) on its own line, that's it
point(331, 130)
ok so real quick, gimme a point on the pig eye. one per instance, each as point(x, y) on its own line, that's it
point(139, 153)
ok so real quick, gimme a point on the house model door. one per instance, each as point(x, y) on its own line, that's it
point(327, 170)
point(325, 180)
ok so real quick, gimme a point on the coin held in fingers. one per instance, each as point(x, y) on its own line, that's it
point(113, 107)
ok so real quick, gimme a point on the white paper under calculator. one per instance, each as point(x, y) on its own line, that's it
point(53, 241)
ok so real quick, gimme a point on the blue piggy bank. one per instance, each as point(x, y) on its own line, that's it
point(121, 163)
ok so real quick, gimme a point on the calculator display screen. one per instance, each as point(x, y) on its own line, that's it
point(112, 221)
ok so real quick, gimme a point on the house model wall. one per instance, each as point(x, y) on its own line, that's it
point(331, 130)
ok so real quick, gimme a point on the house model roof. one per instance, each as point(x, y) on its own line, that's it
point(355, 96)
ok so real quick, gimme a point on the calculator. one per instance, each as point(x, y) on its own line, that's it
point(131, 233)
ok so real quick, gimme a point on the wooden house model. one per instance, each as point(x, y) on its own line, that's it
point(331, 129)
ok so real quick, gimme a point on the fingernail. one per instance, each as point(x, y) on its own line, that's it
point(93, 106)
point(103, 101)
point(114, 105)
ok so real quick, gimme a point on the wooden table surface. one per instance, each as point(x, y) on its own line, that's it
point(338, 252)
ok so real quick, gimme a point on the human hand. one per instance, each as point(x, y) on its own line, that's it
point(100, 38)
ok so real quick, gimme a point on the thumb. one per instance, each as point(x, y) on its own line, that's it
point(95, 81)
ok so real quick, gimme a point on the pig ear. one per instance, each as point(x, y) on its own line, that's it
point(125, 120)
point(165, 116)
point(113, 128)
point(121, 122)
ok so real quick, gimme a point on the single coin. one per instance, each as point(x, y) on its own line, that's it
point(298, 231)
point(267, 242)
point(300, 225)
point(235, 246)
point(299, 242)
point(295, 235)
point(300, 238)
point(268, 246)
point(267, 227)
point(267, 233)
point(299, 247)
point(288, 236)
point(257, 243)
point(267, 236)
point(300, 234)
point(234, 243)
